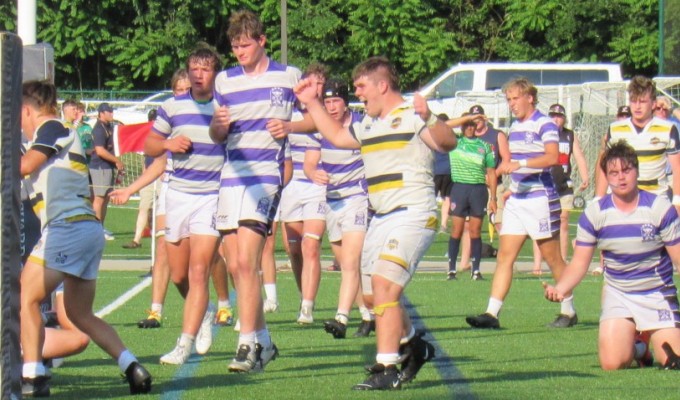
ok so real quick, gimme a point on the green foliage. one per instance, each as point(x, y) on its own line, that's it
point(124, 44)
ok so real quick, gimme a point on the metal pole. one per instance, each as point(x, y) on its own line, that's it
point(26, 14)
point(284, 32)
point(662, 60)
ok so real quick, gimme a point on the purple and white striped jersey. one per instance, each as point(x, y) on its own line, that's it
point(527, 140)
point(632, 244)
point(344, 167)
point(253, 156)
point(299, 144)
point(197, 170)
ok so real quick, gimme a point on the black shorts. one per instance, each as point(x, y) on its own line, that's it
point(442, 185)
point(469, 200)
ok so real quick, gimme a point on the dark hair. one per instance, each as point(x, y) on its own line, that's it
point(378, 66)
point(205, 54)
point(69, 103)
point(620, 150)
point(641, 85)
point(317, 69)
point(41, 95)
point(524, 85)
point(334, 87)
point(244, 23)
point(153, 113)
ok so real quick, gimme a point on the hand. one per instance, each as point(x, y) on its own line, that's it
point(179, 144)
point(306, 90)
point(584, 185)
point(278, 128)
point(551, 293)
point(493, 206)
point(220, 122)
point(120, 166)
point(119, 196)
point(320, 177)
point(420, 107)
point(507, 167)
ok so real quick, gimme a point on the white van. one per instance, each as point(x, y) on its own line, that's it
point(490, 77)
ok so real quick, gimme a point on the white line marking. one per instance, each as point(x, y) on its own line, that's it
point(124, 298)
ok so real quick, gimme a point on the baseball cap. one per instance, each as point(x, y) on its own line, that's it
point(104, 107)
point(623, 111)
point(556, 109)
point(476, 110)
point(335, 88)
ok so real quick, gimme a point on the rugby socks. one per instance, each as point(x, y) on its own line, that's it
point(567, 306)
point(157, 308)
point(223, 304)
point(366, 314)
point(33, 369)
point(247, 338)
point(454, 247)
point(308, 303)
point(476, 252)
point(494, 307)
point(270, 291)
point(186, 340)
point(342, 316)
point(125, 359)
point(387, 358)
point(262, 337)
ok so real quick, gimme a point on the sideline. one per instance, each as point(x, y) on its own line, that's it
point(124, 298)
point(450, 374)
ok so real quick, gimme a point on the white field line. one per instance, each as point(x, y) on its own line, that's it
point(124, 298)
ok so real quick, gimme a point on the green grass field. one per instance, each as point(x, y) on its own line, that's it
point(523, 360)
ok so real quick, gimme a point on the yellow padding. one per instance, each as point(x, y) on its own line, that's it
point(380, 309)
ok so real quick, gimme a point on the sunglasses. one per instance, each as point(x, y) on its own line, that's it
point(661, 109)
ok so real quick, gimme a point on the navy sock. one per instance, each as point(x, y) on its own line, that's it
point(454, 246)
point(476, 253)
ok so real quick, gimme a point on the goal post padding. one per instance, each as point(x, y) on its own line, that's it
point(10, 137)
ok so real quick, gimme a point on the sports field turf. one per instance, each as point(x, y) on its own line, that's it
point(524, 360)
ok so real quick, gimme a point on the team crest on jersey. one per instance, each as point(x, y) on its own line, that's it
point(654, 140)
point(263, 205)
point(360, 218)
point(528, 138)
point(647, 231)
point(276, 97)
point(543, 225)
point(392, 244)
point(664, 315)
point(322, 208)
point(395, 123)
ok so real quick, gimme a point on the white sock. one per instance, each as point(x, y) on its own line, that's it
point(223, 303)
point(341, 317)
point(33, 369)
point(270, 291)
point(247, 338)
point(308, 303)
point(262, 337)
point(494, 306)
point(387, 358)
point(408, 336)
point(157, 308)
point(365, 313)
point(567, 306)
point(125, 359)
point(186, 340)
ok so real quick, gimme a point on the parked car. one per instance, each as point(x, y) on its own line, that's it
point(129, 112)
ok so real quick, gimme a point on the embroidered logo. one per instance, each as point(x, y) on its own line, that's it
point(360, 218)
point(647, 231)
point(664, 315)
point(263, 206)
point(392, 244)
point(276, 97)
point(395, 123)
point(61, 258)
point(528, 138)
point(543, 225)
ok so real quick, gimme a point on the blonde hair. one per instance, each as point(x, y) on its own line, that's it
point(524, 85)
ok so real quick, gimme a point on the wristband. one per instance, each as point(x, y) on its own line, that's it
point(676, 200)
point(431, 121)
point(522, 163)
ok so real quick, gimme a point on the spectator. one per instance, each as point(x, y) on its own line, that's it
point(103, 163)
